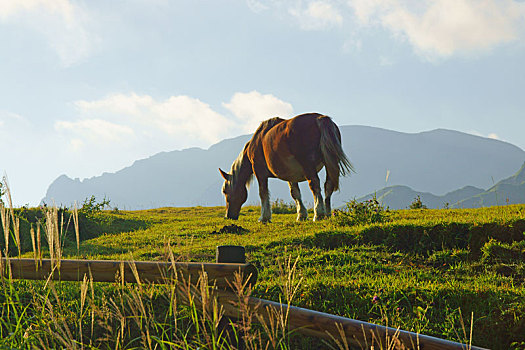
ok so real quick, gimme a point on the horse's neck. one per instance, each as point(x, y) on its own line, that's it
point(245, 170)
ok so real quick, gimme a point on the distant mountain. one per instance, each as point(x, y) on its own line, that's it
point(437, 161)
point(508, 191)
point(178, 178)
point(400, 197)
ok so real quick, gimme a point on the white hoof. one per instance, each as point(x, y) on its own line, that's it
point(302, 217)
point(265, 220)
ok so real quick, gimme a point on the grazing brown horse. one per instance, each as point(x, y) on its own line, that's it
point(292, 150)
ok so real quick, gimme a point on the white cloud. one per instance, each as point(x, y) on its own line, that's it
point(256, 6)
point(183, 114)
point(178, 117)
point(119, 104)
point(178, 121)
point(352, 45)
point(491, 135)
point(64, 25)
point(9, 8)
point(385, 61)
point(10, 115)
point(253, 107)
point(76, 144)
point(12, 119)
point(317, 15)
point(436, 29)
point(95, 130)
point(366, 11)
point(443, 28)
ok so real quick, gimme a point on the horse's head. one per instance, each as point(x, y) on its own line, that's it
point(235, 194)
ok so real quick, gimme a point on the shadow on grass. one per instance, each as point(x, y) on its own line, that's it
point(97, 224)
point(90, 226)
point(414, 239)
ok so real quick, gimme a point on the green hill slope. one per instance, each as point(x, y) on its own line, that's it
point(400, 197)
point(507, 191)
point(426, 271)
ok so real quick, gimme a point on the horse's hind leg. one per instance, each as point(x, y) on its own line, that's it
point(315, 186)
point(328, 190)
point(302, 213)
point(266, 209)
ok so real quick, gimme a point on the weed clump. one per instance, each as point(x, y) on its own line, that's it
point(361, 213)
point(499, 252)
point(448, 257)
point(2, 192)
point(236, 229)
point(417, 203)
point(89, 221)
point(281, 207)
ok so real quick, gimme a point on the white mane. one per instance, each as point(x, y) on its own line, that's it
point(236, 168)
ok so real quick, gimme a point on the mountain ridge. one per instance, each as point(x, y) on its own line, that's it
point(435, 161)
point(507, 191)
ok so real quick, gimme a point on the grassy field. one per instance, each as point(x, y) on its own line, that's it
point(427, 271)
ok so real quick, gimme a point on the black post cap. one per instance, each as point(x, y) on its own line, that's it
point(231, 254)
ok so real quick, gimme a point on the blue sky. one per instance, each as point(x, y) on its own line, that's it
point(88, 87)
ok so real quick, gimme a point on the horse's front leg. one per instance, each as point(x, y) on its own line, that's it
point(266, 209)
point(315, 186)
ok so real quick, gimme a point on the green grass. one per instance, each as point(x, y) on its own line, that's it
point(421, 270)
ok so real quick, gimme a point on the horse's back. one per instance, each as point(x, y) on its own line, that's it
point(291, 148)
point(301, 133)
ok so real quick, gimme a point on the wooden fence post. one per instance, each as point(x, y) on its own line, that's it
point(231, 254)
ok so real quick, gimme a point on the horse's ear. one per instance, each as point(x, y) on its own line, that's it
point(225, 175)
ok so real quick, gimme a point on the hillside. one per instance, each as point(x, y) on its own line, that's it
point(428, 271)
point(400, 197)
point(507, 191)
point(437, 161)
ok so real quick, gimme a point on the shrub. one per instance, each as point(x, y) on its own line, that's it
point(90, 205)
point(361, 213)
point(417, 204)
point(281, 207)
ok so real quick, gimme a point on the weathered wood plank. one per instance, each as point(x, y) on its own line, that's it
point(327, 326)
point(108, 270)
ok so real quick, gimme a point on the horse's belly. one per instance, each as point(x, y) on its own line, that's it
point(288, 169)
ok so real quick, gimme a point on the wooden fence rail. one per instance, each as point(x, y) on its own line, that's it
point(301, 320)
point(107, 270)
point(330, 327)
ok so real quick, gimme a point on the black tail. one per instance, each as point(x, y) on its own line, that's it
point(335, 159)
